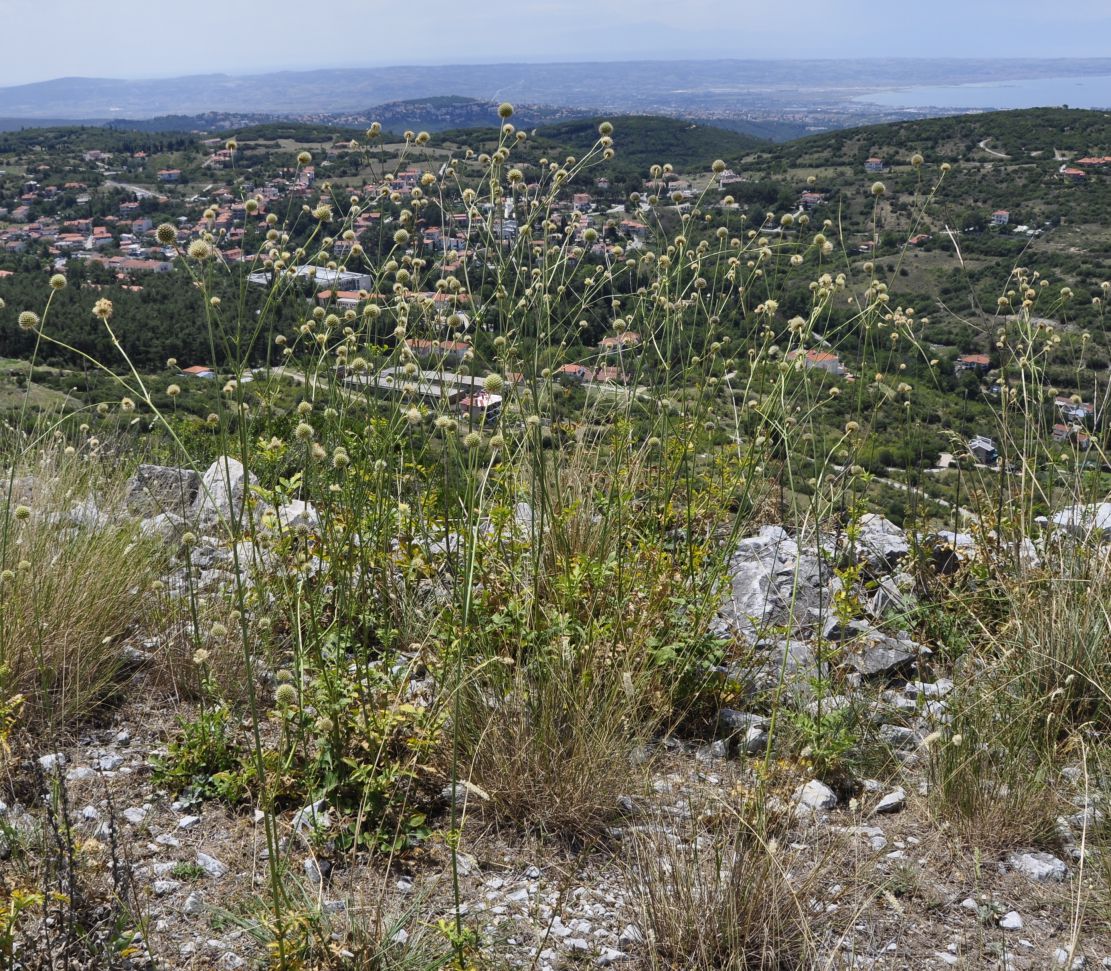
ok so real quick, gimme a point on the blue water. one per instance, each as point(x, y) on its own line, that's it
point(1076, 92)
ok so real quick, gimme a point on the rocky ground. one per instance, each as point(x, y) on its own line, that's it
point(910, 896)
point(900, 889)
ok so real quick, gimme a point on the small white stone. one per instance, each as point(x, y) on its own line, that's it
point(213, 867)
point(1039, 866)
point(188, 822)
point(48, 763)
point(1011, 921)
point(135, 815)
point(630, 934)
point(194, 904)
point(892, 802)
point(90, 813)
point(815, 796)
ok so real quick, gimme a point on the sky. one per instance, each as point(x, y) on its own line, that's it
point(166, 38)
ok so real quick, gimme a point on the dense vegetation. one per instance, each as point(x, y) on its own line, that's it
point(449, 574)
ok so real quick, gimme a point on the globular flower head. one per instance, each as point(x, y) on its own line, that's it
point(878, 189)
point(472, 439)
point(22, 513)
point(505, 110)
point(58, 282)
point(126, 404)
point(303, 158)
point(173, 390)
point(323, 212)
point(28, 320)
point(916, 160)
point(166, 234)
point(718, 166)
point(103, 308)
point(285, 695)
point(493, 383)
point(304, 432)
point(200, 250)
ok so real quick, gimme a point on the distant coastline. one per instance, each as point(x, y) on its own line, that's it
point(1075, 91)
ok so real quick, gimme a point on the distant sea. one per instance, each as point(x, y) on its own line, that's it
point(1076, 92)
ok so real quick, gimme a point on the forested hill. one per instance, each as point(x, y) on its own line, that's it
point(1026, 132)
point(646, 139)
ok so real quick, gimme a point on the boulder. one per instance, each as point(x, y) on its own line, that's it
point(221, 495)
point(874, 654)
point(1089, 520)
point(157, 489)
point(880, 543)
point(771, 583)
point(166, 527)
point(298, 515)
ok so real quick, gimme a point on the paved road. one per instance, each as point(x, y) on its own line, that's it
point(137, 191)
point(992, 151)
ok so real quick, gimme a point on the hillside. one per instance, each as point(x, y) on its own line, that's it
point(1027, 133)
point(643, 140)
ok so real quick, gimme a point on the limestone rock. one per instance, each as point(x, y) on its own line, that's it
point(157, 489)
point(221, 495)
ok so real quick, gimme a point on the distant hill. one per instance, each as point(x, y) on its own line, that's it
point(1019, 134)
point(642, 140)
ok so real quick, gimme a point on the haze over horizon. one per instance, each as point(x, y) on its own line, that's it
point(164, 41)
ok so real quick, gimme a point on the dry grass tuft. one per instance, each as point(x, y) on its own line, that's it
point(735, 899)
point(75, 586)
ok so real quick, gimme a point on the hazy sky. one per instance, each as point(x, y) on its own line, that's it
point(160, 38)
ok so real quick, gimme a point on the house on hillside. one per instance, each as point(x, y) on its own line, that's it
point(978, 363)
point(481, 405)
point(1070, 410)
point(1074, 175)
point(621, 342)
point(815, 360)
point(575, 373)
point(169, 175)
point(606, 374)
point(199, 371)
point(1000, 217)
point(452, 352)
point(983, 450)
point(875, 165)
